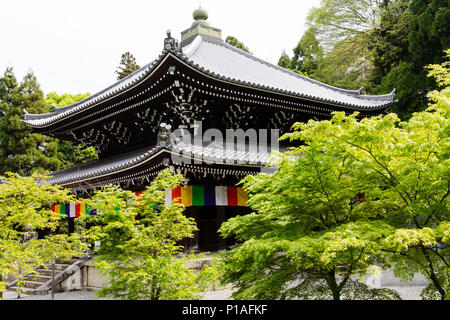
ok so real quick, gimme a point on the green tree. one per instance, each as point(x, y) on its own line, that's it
point(25, 208)
point(307, 53)
point(138, 248)
point(346, 66)
point(339, 20)
point(409, 87)
point(127, 65)
point(389, 40)
point(62, 100)
point(285, 60)
point(362, 39)
point(20, 150)
point(428, 28)
point(236, 43)
point(312, 231)
point(357, 192)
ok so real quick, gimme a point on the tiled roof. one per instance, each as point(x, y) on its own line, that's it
point(208, 154)
point(229, 63)
point(97, 168)
point(222, 61)
point(119, 86)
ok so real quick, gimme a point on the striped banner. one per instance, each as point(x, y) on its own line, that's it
point(72, 210)
point(208, 196)
point(198, 196)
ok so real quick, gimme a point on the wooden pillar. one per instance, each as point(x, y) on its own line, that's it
point(71, 224)
point(191, 243)
point(221, 217)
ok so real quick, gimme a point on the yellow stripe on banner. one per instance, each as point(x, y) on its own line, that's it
point(82, 208)
point(57, 209)
point(242, 197)
point(186, 196)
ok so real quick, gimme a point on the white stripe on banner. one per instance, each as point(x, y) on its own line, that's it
point(72, 210)
point(168, 196)
point(221, 196)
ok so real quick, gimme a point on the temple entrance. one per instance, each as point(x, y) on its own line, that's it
point(209, 220)
point(207, 225)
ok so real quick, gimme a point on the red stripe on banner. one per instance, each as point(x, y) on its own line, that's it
point(52, 207)
point(176, 193)
point(232, 196)
point(138, 194)
point(77, 209)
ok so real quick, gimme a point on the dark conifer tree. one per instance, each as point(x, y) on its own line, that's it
point(127, 65)
point(20, 150)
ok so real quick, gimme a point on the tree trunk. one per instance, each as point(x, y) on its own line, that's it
point(433, 277)
point(331, 281)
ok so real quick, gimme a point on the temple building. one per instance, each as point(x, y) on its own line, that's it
point(183, 111)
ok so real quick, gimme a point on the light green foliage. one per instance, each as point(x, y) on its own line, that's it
point(338, 20)
point(24, 208)
point(236, 43)
point(139, 243)
point(313, 223)
point(381, 45)
point(358, 192)
point(65, 99)
point(346, 66)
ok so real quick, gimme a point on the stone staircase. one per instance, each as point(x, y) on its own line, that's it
point(41, 283)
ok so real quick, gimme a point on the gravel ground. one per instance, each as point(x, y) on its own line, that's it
point(89, 295)
point(407, 290)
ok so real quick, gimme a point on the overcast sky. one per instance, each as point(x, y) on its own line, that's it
point(75, 46)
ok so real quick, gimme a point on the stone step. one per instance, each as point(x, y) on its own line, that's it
point(58, 266)
point(39, 277)
point(32, 284)
point(48, 272)
point(28, 291)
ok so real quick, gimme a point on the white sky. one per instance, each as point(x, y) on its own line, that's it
point(75, 46)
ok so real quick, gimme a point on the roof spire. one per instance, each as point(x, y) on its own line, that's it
point(200, 26)
point(200, 16)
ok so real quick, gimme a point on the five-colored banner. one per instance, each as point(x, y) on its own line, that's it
point(188, 196)
point(72, 210)
point(208, 196)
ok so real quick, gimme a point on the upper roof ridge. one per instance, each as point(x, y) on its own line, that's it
point(290, 72)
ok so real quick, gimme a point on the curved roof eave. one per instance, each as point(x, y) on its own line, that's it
point(127, 83)
point(121, 86)
point(194, 45)
point(97, 169)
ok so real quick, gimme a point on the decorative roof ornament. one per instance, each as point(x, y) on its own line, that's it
point(200, 27)
point(200, 16)
point(164, 138)
point(171, 44)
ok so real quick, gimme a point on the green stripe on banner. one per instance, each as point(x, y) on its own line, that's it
point(198, 196)
point(62, 210)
